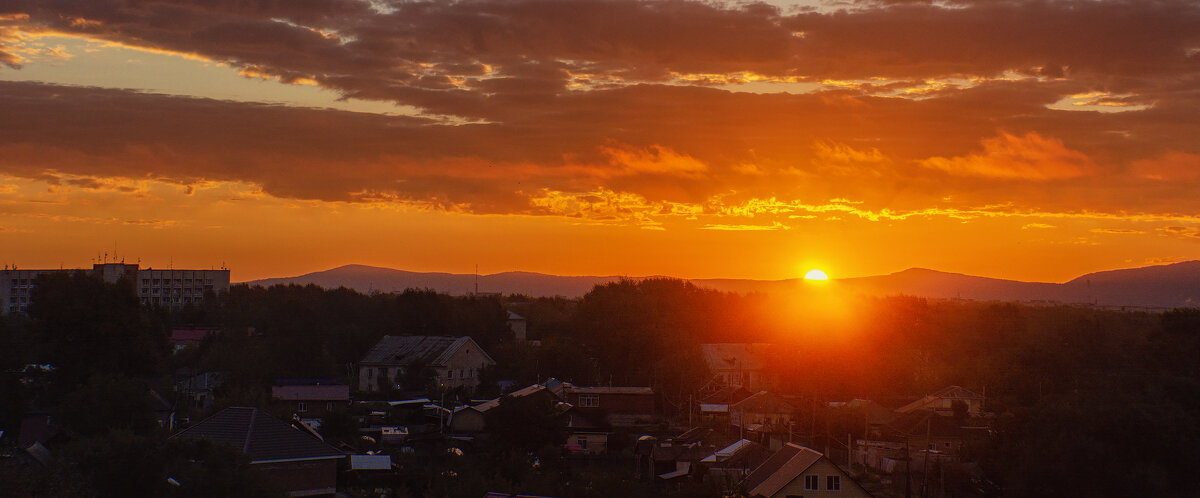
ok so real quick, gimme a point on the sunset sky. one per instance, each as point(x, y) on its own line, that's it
point(1032, 140)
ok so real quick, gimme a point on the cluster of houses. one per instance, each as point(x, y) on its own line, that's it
point(739, 436)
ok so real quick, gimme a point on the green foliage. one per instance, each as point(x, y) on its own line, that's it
point(86, 326)
point(107, 402)
point(525, 424)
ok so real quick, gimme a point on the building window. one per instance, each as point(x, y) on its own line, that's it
point(589, 400)
point(810, 483)
point(450, 374)
point(301, 406)
point(833, 483)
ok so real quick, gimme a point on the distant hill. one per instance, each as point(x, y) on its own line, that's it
point(1165, 286)
point(372, 278)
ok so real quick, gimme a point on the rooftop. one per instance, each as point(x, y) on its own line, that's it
point(410, 349)
point(263, 437)
point(779, 470)
point(734, 356)
point(611, 390)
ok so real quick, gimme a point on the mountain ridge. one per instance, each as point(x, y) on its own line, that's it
point(1157, 286)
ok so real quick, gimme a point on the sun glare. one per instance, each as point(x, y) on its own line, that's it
point(816, 274)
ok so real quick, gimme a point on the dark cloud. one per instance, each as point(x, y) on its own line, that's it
point(510, 70)
point(664, 143)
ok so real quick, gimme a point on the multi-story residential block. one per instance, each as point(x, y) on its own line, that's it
point(170, 288)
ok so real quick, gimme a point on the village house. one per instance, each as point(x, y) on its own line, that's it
point(290, 455)
point(931, 438)
point(736, 364)
point(310, 399)
point(189, 338)
point(471, 418)
point(585, 432)
point(519, 326)
point(796, 470)
point(762, 412)
point(618, 406)
point(446, 362)
point(729, 465)
point(198, 391)
point(943, 402)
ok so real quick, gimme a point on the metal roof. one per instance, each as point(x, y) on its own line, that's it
point(311, 392)
point(782, 468)
point(426, 349)
point(734, 356)
point(610, 390)
point(370, 462)
point(728, 452)
point(263, 437)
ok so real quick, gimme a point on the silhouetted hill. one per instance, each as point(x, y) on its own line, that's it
point(372, 278)
point(1173, 285)
point(1165, 286)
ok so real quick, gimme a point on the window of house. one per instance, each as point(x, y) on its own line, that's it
point(582, 442)
point(810, 482)
point(329, 406)
point(450, 374)
point(301, 406)
point(589, 400)
point(833, 483)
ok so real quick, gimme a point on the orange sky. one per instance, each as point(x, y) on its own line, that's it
point(1031, 140)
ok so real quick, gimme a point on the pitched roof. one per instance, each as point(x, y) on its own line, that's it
point(763, 402)
point(610, 390)
point(409, 349)
point(263, 437)
point(313, 392)
point(782, 468)
point(519, 393)
point(923, 422)
point(950, 392)
point(730, 451)
point(734, 356)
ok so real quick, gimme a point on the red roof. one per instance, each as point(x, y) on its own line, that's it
point(191, 335)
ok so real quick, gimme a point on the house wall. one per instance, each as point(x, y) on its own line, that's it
point(463, 367)
point(519, 328)
point(374, 378)
point(751, 380)
point(312, 408)
point(591, 443)
point(823, 468)
point(741, 418)
point(619, 408)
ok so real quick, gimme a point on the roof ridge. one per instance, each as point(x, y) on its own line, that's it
point(250, 430)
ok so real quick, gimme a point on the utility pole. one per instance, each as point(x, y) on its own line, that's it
point(907, 469)
point(925, 466)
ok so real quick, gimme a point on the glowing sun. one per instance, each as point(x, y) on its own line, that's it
point(815, 274)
